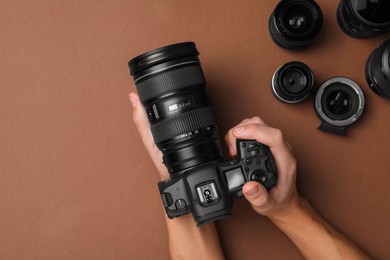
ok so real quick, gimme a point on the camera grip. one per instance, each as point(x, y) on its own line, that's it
point(257, 162)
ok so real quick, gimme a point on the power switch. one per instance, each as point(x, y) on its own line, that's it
point(167, 199)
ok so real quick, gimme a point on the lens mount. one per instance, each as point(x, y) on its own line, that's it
point(339, 102)
point(292, 82)
point(295, 23)
point(378, 70)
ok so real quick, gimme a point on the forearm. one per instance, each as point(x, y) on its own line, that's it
point(315, 238)
point(187, 241)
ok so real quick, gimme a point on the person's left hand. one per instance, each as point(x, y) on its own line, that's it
point(141, 121)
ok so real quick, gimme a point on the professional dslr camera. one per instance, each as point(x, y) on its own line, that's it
point(172, 88)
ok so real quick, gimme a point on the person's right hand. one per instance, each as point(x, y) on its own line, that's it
point(283, 199)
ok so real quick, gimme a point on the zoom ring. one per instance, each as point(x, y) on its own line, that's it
point(383, 83)
point(182, 123)
point(169, 81)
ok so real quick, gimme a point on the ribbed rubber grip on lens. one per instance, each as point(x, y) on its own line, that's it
point(170, 80)
point(382, 81)
point(182, 123)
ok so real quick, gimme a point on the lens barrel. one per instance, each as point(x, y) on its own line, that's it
point(292, 82)
point(172, 88)
point(378, 70)
point(364, 18)
point(339, 102)
point(295, 23)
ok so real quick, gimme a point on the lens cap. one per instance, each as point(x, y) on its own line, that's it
point(292, 82)
point(339, 102)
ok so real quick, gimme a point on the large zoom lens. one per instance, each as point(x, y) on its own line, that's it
point(172, 88)
point(364, 18)
point(378, 70)
point(295, 23)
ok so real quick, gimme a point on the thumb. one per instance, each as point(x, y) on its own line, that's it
point(258, 197)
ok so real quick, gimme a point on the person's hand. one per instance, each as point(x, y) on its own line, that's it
point(283, 199)
point(142, 123)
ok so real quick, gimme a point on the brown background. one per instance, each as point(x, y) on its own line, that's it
point(76, 182)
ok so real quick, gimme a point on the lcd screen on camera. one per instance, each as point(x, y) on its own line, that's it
point(235, 178)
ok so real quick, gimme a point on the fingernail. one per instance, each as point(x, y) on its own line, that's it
point(253, 191)
point(134, 101)
point(239, 130)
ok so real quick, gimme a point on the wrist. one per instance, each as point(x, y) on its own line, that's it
point(296, 208)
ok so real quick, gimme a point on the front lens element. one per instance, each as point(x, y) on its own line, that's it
point(364, 18)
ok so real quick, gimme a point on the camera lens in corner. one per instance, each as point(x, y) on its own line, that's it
point(292, 82)
point(339, 102)
point(295, 23)
point(378, 70)
point(364, 18)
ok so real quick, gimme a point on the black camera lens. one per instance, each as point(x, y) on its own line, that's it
point(295, 23)
point(172, 88)
point(364, 18)
point(292, 82)
point(339, 102)
point(378, 70)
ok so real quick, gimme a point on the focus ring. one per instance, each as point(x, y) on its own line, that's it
point(169, 81)
point(182, 123)
point(383, 83)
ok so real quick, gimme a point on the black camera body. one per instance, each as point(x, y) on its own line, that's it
point(172, 88)
point(208, 191)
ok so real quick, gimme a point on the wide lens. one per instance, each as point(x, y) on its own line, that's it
point(339, 101)
point(292, 82)
point(295, 23)
point(364, 18)
point(172, 88)
point(378, 70)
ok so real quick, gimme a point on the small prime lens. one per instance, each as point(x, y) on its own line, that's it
point(292, 82)
point(172, 89)
point(295, 23)
point(378, 70)
point(364, 18)
point(339, 102)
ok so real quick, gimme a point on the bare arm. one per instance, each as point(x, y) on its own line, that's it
point(313, 236)
point(186, 240)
